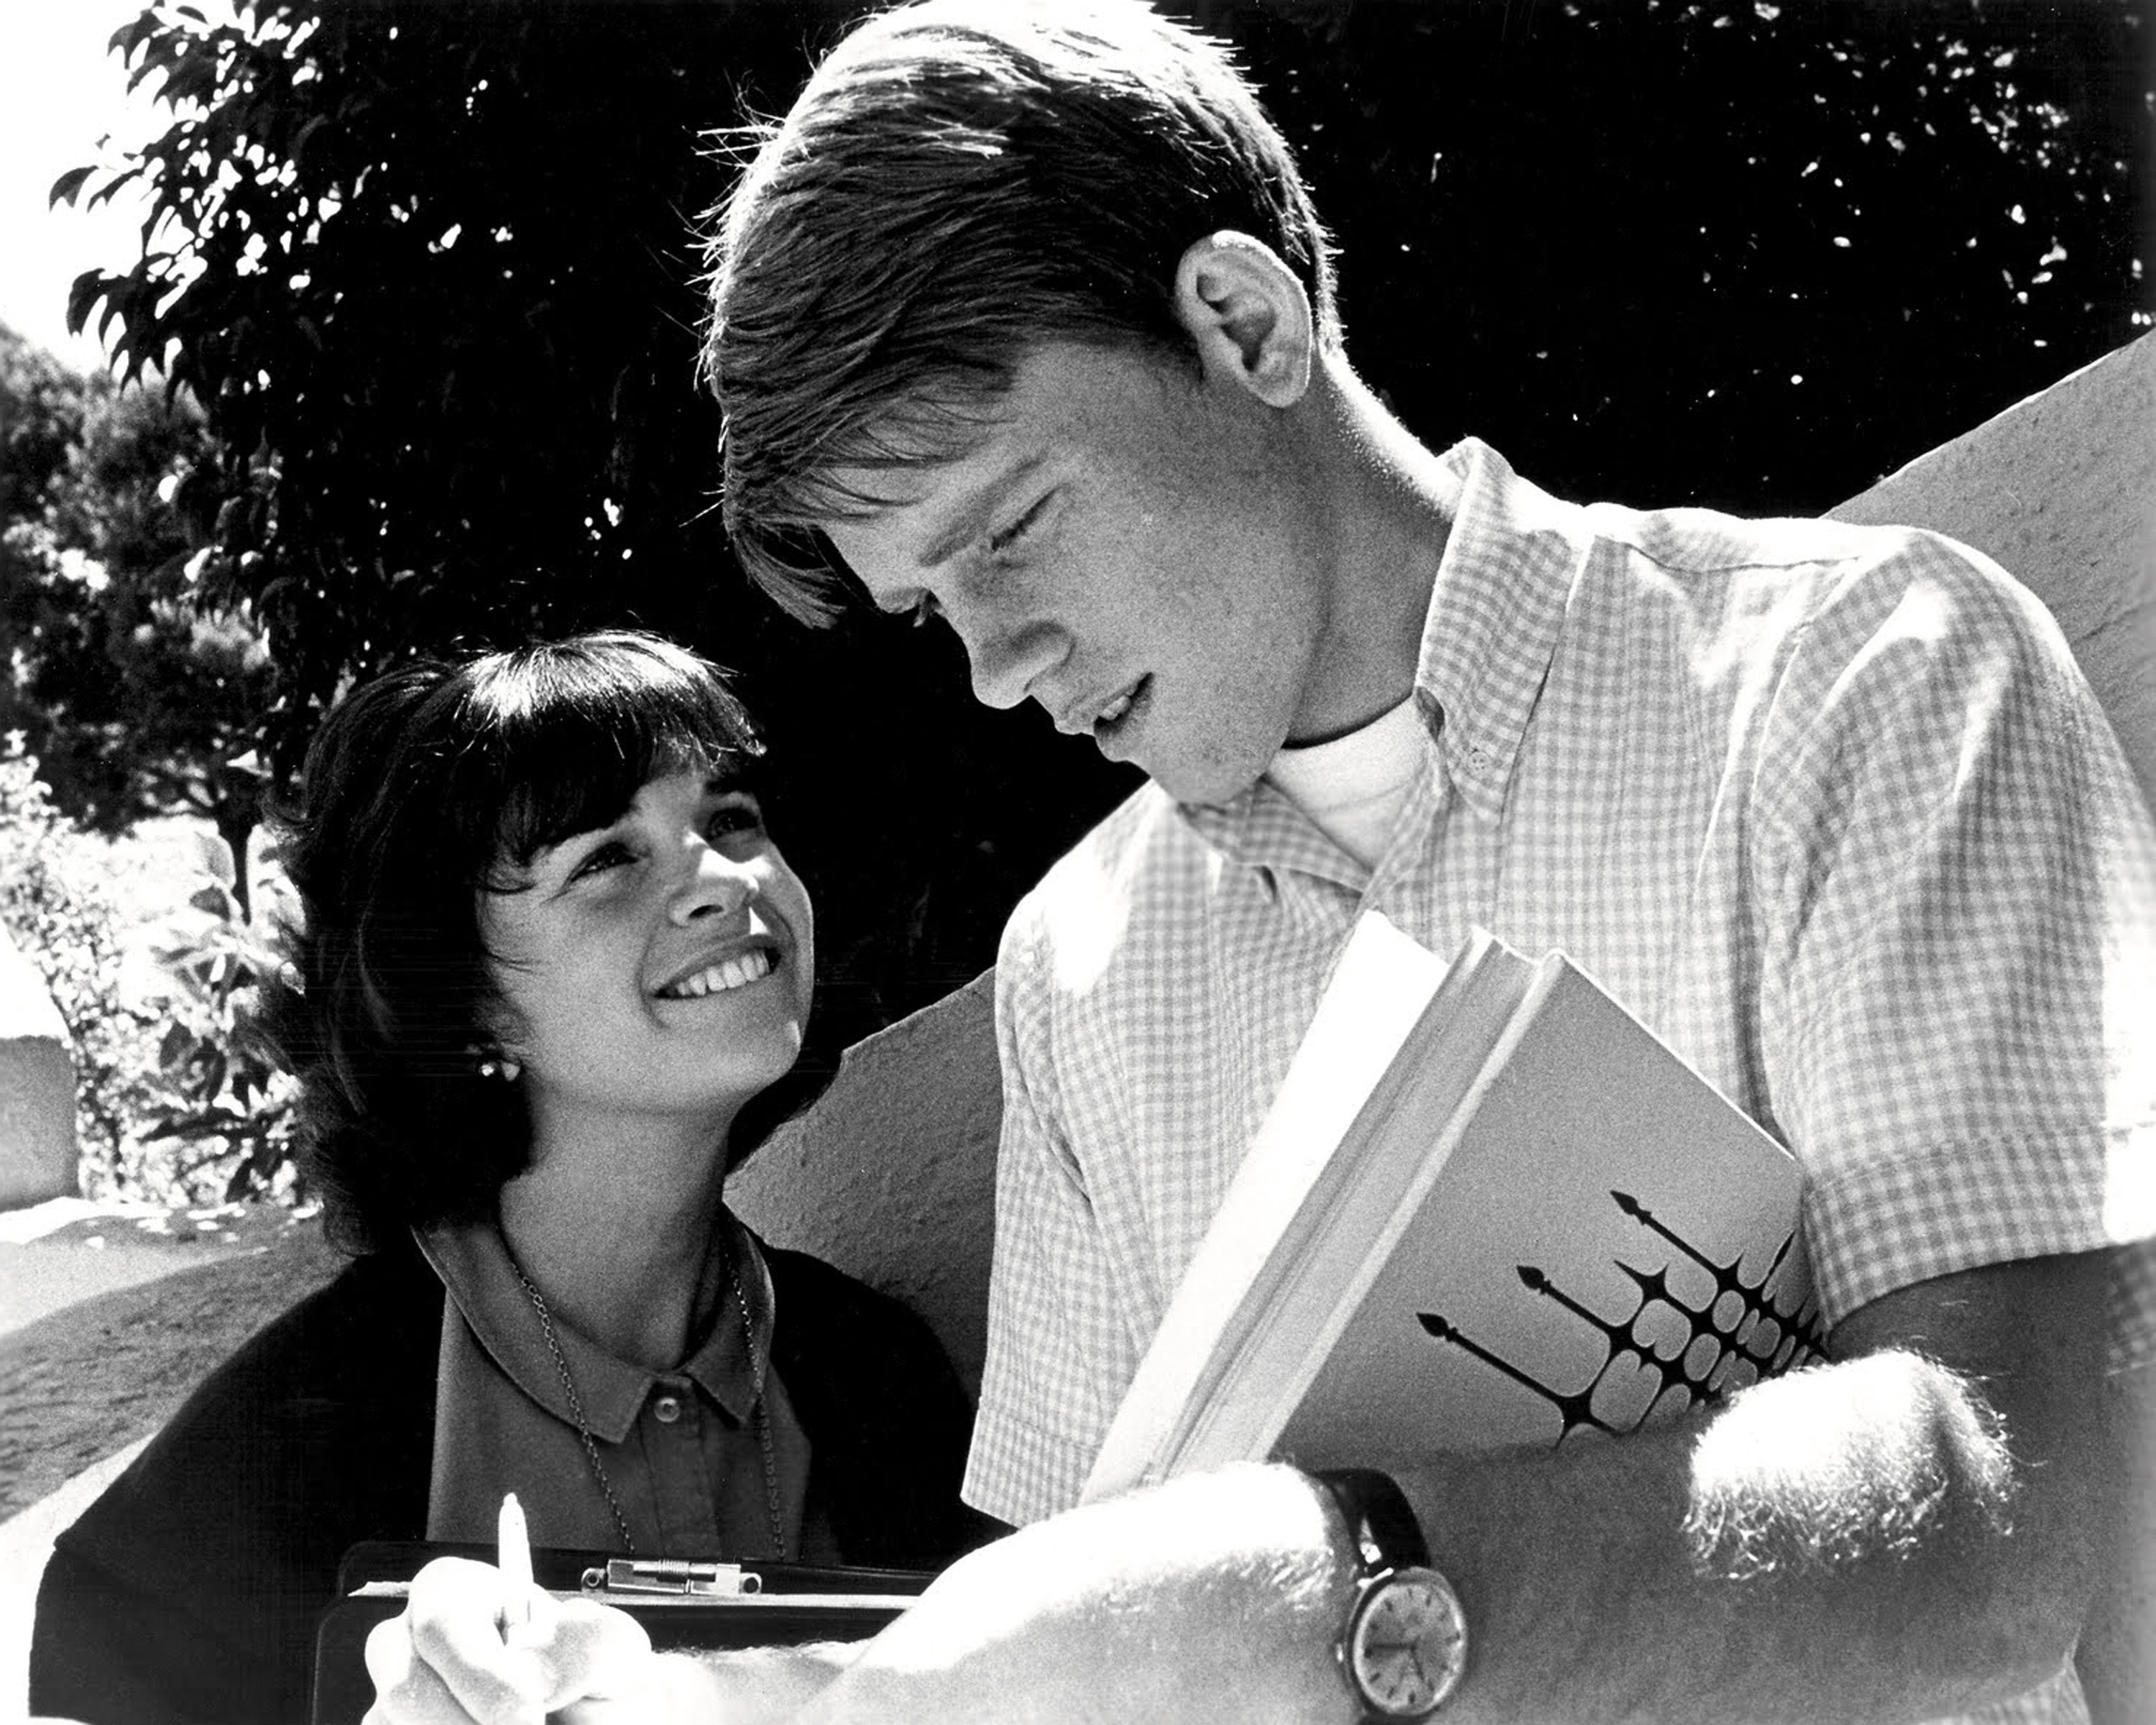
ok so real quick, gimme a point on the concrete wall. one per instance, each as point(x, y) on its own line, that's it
point(37, 1088)
point(891, 1176)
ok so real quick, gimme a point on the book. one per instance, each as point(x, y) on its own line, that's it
point(1487, 1207)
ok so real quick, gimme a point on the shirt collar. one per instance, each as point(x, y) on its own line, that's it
point(1260, 826)
point(475, 1266)
point(1496, 610)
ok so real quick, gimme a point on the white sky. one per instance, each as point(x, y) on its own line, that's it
point(60, 93)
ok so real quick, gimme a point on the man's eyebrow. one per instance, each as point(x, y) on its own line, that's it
point(972, 516)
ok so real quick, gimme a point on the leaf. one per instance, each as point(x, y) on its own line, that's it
point(104, 193)
point(67, 185)
point(129, 34)
point(85, 292)
point(213, 899)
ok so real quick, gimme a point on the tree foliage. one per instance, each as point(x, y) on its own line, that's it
point(172, 1102)
point(428, 268)
point(135, 693)
point(57, 900)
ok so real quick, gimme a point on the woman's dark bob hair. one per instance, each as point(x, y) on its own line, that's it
point(420, 786)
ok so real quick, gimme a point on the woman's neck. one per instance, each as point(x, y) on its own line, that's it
point(613, 1224)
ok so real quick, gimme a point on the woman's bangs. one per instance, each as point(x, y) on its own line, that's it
point(575, 763)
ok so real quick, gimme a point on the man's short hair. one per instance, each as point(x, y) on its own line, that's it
point(960, 181)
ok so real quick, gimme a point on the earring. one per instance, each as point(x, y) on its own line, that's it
point(493, 1063)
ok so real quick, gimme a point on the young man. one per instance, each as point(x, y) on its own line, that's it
point(1022, 320)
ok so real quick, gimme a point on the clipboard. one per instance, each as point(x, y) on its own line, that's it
point(682, 1603)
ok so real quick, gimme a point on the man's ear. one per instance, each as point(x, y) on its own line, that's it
point(1249, 316)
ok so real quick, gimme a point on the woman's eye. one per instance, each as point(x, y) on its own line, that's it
point(613, 855)
point(922, 610)
point(735, 816)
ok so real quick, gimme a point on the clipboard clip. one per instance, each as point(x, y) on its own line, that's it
point(680, 1577)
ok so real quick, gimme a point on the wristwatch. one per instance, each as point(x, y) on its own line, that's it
point(1404, 1646)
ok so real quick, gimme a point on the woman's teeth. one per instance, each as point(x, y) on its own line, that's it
point(729, 973)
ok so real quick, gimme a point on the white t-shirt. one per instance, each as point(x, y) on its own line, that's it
point(1351, 788)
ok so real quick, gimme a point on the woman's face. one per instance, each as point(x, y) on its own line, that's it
point(659, 966)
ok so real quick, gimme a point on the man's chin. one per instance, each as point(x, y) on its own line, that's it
point(1200, 786)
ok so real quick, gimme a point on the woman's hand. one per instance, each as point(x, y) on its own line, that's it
point(444, 1660)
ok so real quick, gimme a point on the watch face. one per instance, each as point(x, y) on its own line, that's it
point(1407, 1644)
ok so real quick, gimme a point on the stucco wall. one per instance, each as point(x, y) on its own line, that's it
point(37, 1088)
point(891, 1175)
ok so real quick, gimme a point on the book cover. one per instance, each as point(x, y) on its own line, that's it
point(1488, 1207)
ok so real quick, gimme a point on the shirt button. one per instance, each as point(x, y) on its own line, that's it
point(667, 1410)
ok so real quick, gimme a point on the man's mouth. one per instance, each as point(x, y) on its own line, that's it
point(1120, 716)
point(737, 971)
point(1117, 713)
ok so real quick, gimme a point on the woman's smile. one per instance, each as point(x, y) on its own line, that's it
point(728, 974)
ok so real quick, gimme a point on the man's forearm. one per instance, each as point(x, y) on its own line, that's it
point(1875, 1539)
point(748, 1685)
point(1215, 1598)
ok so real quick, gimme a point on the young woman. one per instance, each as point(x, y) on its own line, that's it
point(552, 964)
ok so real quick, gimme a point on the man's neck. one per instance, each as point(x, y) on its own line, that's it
point(1392, 505)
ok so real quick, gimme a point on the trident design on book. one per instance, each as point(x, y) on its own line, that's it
point(1756, 1331)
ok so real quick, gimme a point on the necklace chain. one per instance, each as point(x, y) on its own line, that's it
point(759, 1413)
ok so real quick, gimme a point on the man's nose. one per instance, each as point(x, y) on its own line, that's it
point(1007, 662)
point(713, 883)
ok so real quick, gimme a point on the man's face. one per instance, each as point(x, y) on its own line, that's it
point(1128, 546)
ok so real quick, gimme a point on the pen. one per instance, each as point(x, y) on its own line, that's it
point(513, 1556)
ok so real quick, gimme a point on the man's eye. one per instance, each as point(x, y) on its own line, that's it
point(921, 610)
point(611, 855)
point(1008, 537)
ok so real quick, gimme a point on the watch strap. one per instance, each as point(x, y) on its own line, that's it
point(1381, 1524)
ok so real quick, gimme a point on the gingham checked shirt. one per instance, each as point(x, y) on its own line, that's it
point(1830, 807)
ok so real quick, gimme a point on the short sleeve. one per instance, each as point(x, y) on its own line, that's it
point(1056, 1343)
point(1958, 884)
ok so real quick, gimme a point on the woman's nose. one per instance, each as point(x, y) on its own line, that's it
point(713, 882)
